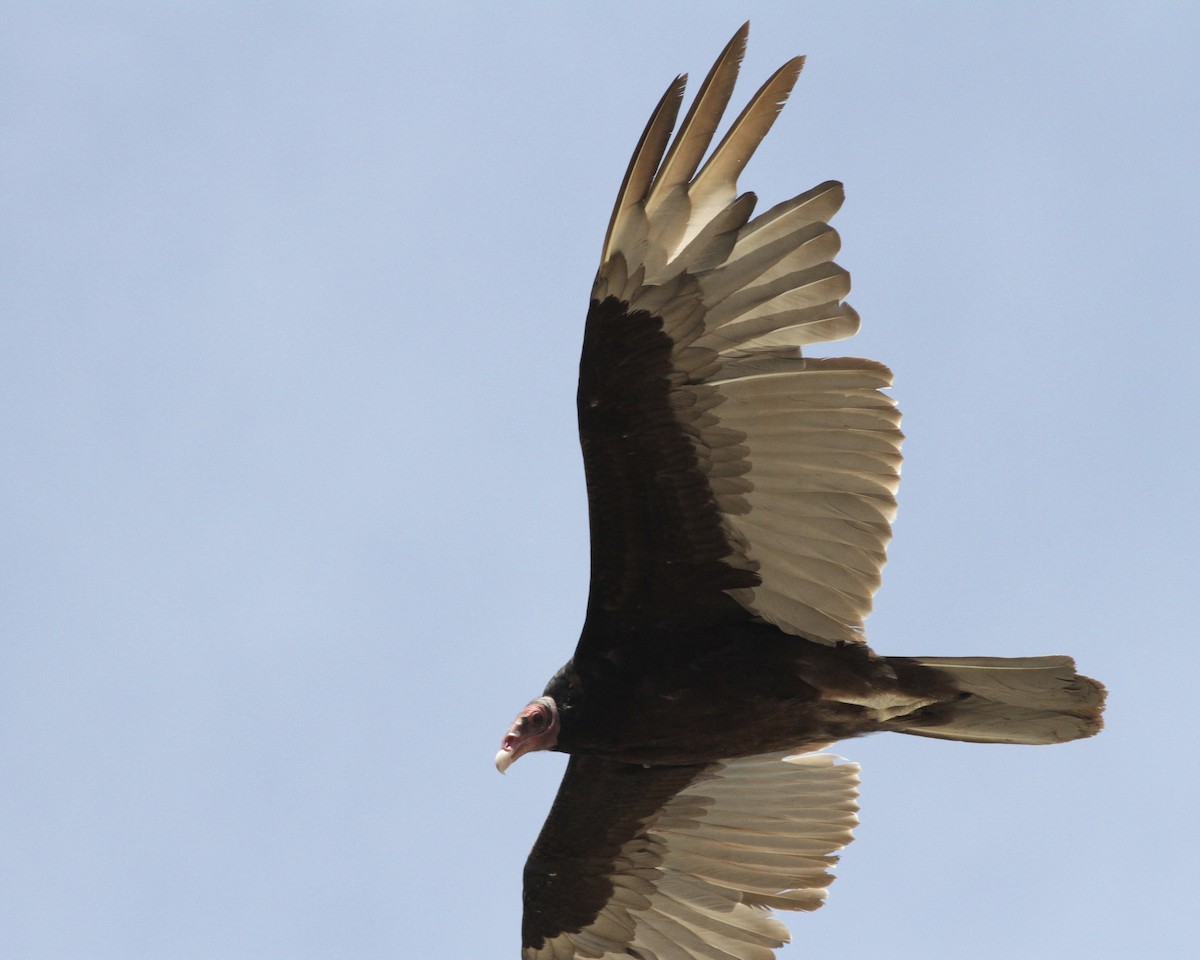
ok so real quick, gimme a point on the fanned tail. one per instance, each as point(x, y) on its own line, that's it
point(1006, 700)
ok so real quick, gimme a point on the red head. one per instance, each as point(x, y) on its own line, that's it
point(536, 728)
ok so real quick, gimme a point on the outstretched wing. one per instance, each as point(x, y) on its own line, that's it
point(666, 863)
point(727, 475)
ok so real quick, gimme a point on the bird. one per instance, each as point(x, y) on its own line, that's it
point(740, 498)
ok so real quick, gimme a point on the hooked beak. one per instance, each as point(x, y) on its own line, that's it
point(511, 746)
point(505, 757)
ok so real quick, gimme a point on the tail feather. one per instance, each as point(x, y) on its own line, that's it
point(1007, 700)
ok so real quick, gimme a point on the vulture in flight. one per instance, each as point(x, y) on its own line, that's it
point(740, 498)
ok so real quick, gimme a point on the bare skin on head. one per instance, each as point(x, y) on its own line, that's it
point(535, 728)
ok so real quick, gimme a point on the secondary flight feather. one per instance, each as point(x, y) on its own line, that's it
point(740, 499)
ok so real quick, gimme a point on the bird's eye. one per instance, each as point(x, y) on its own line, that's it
point(537, 719)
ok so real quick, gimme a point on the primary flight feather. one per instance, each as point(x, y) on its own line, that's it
point(740, 499)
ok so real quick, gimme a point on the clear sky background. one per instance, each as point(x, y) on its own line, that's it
point(291, 297)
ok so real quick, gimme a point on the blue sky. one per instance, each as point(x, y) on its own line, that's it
point(290, 305)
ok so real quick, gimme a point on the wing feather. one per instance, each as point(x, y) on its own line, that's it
point(716, 182)
point(695, 134)
point(639, 175)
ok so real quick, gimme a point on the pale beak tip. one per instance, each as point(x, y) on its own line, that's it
point(503, 760)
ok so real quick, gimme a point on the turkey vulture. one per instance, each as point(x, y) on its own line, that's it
point(740, 498)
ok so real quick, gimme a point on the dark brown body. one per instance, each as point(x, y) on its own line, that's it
point(774, 691)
